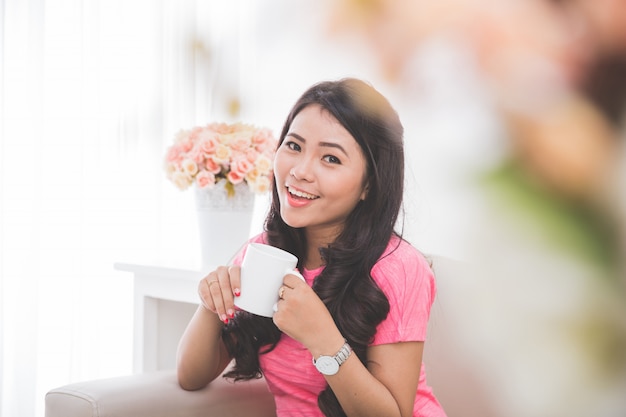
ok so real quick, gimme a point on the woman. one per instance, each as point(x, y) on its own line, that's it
point(337, 193)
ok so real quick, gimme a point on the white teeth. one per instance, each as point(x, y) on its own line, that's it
point(301, 194)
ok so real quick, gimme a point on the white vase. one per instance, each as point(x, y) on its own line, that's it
point(223, 222)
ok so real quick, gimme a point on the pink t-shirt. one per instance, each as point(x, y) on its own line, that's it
point(408, 282)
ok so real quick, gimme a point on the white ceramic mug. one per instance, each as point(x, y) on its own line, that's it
point(262, 272)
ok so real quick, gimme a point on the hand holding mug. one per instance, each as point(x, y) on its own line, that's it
point(262, 272)
point(218, 290)
point(303, 316)
point(253, 287)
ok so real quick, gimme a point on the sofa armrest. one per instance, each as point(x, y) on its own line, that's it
point(157, 394)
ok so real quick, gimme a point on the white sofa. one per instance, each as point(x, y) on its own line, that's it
point(157, 394)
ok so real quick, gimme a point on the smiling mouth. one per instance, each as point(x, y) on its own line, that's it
point(301, 194)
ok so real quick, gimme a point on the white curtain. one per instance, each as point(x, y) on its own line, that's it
point(92, 91)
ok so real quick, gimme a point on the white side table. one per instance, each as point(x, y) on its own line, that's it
point(164, 301)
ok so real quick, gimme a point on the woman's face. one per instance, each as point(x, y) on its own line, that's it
point(320, 173)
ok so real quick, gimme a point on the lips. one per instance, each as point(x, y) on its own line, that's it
point(298, 198)
point(301, 194)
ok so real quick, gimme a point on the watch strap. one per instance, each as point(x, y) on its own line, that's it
point(340, 357)
point(343, 353)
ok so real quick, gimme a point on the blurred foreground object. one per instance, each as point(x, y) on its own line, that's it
point(543, 319)
point(545, 63)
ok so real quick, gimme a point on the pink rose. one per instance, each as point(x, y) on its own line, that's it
point(197, 156)
point(252, 155)
point(241, 166)
point(186, 144)
point(240, 144)
point(235, 177)
point(221, 128)
point(173, 154)
point(205, 179)
point(212, 166)
point(208, 145)
point(262, 136)
point(195, 132)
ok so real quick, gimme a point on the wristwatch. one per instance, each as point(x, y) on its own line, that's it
point(329, 365)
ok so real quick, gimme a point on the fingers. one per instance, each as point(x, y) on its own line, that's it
point(290, 282)
point(204, 291)
point(293, 279)
point(283, 292)
point(222, 295)
point(217, 290)
point(235, 279)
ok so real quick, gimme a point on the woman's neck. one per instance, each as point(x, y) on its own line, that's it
point(317, 239)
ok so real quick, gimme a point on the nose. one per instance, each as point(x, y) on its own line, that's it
point(302, 171)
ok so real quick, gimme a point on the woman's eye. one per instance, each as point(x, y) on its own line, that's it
point(332, 159)
point(293, 146)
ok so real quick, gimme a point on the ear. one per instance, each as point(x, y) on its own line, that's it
point(366, 189)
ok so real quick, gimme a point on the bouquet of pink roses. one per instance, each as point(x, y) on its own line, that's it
point(236, 153)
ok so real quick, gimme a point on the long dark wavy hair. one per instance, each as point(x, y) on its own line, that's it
point(345, 285)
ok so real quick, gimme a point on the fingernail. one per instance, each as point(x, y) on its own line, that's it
point(231, 313)
point(237, 292)
point(225, 321)
point(224, 318)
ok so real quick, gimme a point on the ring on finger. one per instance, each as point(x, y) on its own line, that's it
point(281, 292)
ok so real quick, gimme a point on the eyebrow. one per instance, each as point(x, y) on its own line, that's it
point(323, 144)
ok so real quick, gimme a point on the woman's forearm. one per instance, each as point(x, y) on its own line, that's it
point(386, 386)
point(201, 355)
point(360, 393)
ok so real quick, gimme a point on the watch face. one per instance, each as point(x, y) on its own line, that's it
point(327, 365)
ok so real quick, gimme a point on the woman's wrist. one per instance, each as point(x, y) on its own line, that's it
point(327, 346)
point(211, 319)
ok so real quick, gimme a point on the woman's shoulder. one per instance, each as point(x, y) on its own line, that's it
point(401, 252)
point(238, 257)
point(260, 238)
point(401, 262)
point(404, 274)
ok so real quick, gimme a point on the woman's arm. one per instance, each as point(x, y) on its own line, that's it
point(385, 387)
point(202, 355)
point(388, 384)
